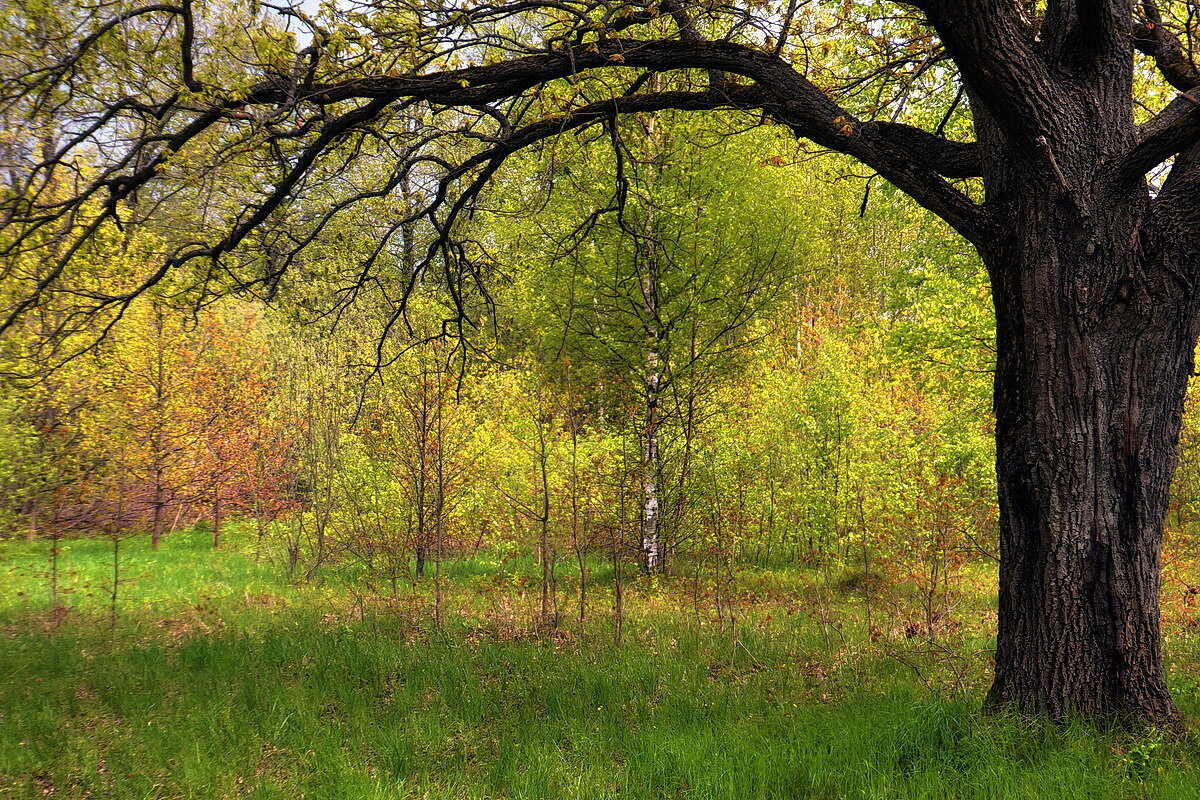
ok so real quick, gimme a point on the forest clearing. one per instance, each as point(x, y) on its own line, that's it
point(218, 679)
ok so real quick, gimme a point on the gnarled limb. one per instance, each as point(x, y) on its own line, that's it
point(1154, 39)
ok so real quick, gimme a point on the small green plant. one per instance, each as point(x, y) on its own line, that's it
point(1145, 753)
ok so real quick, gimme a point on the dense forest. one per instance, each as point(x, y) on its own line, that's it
point(559, 400)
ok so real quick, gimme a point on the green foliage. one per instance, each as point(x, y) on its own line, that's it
point(22, 467)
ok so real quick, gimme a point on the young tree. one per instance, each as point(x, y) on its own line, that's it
point(145, 416)
point(431, 433)
point(650, 294)
point(1092, 273)
point(232, 394)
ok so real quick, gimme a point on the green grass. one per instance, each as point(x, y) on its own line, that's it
point(222, 681)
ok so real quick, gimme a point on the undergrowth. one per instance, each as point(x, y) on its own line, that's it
point(220, 680)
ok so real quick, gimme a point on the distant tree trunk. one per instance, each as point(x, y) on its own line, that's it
point(217, 508)
point(647, 255)
point(616, 538)
point(653, 556)
point(116, 583)
point(652, 549)
point(53, 576)
point(439, 504)
point(618, 589)
point(260, 521)
point(157, 510)
point(581, 559)
point(545, 556)
point(419, 561)
point(577, 542)
point(159, 380)
point(420, 468)
point(31, 529)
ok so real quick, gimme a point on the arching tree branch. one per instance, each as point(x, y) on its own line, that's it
point(916, 161)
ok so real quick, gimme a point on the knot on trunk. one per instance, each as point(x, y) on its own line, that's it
point(1133, 295)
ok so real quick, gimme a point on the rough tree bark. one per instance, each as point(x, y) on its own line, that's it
point(1093, 274)
point(1096, 323)
point(1096, 328)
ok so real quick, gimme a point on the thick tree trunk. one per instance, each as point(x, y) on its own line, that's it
point(1095, 339)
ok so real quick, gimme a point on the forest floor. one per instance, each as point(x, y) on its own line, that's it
point(216, 678)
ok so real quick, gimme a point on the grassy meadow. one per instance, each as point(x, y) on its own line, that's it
point(216, 678)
